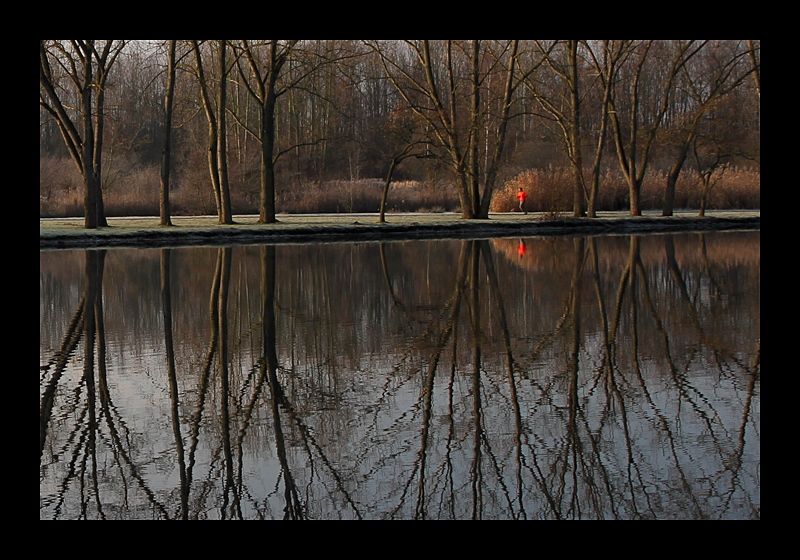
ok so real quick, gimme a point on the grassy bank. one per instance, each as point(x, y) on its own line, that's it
point(204, 230)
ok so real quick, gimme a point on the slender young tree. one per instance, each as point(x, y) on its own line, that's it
point(607, 65)
point(408, 142)
point(222, 132)
point(261, 80)
point(214, 106)
point(164, 206)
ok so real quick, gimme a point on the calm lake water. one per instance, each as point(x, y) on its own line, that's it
point(613, 377)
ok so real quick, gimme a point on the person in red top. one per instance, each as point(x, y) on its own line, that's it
point(522, 196)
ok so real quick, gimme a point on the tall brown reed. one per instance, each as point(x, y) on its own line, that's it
point(550, 190)
point(133, 189)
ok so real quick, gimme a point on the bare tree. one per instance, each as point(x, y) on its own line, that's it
point(607, 67)
point(565, 100)
point(651, 78)
point(565, 106)
point(708, 161)
point(72, 78)
point(164, 206)
point(448, 85)
point(705, 81)
point(214, 106)
point(408, 143)
point(269, 70)
point(262, 83)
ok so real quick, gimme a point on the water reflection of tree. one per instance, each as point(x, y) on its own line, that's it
point(174, 392)
point(261, 388)
point(444, 332)
point(96, 420)
point(580, 479)
point(639, 501)
point(468, 418)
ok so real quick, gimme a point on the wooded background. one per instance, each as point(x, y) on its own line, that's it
point(326, 126)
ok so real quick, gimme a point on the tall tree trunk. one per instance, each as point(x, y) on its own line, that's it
point(672, 177)
point(381, 216)
point(217, 156)
point(225, 214)
point(263, 86)
point(267, 207)
point(211, 118)
point(473, 163)
point(756, 64)
point(578, 207)
point(463, 195)
point(494, 166)
point(90, 220)
point(97, 155)
point(635, 196)
point(164, 205)
point(601, 140)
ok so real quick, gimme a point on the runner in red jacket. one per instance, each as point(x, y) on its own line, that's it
point(522, 196)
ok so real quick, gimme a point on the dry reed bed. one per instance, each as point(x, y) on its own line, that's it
point(131, 190)
point(550, 190)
